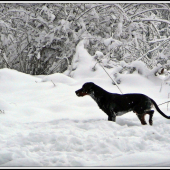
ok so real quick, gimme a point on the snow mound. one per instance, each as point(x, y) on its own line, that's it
point(13, 76)
point(58, 78)
point(48, 125)
point(82, 63)
point(4, 106)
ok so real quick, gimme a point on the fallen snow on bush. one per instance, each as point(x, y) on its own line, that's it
point(44, 123)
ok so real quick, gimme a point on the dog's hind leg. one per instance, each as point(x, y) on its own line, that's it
point(142, 118)
point(140, 112)
point(151, 112)
point(112, 117)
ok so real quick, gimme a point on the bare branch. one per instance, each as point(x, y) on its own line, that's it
point(163, 103)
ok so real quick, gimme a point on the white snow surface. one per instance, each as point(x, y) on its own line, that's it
point(44, 123)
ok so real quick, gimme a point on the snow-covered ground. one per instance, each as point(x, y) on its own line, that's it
point(44, 123)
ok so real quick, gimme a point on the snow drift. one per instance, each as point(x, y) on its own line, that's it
point(43, 122)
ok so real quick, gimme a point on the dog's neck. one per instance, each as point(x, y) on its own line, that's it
point(97, 94)
point(93, 96)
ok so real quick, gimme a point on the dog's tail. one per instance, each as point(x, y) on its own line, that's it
point(157, 108)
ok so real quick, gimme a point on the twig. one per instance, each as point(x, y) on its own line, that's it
point(161, 87)
point(4, 57)
point(168, 102)
point(2, 111)
point(110, 77)
point(53, 83)
point(163, 103)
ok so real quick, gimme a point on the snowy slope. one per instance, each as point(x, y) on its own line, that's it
point(43, 122)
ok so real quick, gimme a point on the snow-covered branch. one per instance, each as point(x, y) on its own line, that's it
point(41, 21)
point(108, 5)
point(154, 49)
point(135, 5)
point(50, 30)
point(159, 40)
point(5, 59)
point(148, 11)
point(151, 19)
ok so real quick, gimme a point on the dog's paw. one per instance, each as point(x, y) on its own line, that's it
point(151, 122)
point(143, 123)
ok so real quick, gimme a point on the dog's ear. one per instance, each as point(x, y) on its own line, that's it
point(88, 85)
point(91, 83)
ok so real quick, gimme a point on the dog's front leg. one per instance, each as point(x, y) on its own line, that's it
point(112, 115)
point(112, 118)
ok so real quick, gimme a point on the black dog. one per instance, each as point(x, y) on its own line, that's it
point(116, 104)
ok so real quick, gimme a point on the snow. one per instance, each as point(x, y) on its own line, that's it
point(44, 123)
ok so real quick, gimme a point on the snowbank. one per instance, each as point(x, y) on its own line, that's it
point(58, 78)
point(44, 123)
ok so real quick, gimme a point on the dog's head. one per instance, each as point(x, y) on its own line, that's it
point(86, 89)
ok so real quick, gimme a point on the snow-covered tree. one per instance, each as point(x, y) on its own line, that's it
point(38, 38)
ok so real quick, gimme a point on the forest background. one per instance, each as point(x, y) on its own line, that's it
point(41, 38)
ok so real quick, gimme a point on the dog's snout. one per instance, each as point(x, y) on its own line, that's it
point(77, 93)
point(80, 93)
